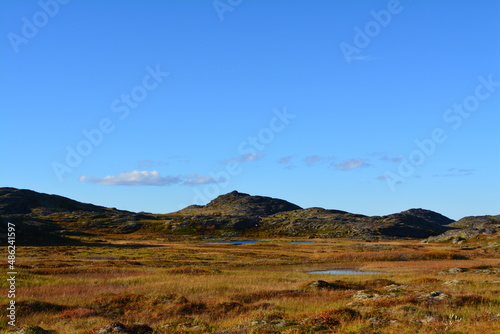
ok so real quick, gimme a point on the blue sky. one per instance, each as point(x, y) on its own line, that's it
point(372, 107)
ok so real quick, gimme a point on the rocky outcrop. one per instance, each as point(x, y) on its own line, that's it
point(478, 222)
point(468, 228)
point(117, 327)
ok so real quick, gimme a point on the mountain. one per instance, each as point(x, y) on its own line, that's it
point(52, 219)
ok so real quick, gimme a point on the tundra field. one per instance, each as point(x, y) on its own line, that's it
point(136, 285)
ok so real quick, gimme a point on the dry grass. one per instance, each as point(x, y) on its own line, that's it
point(192, 287)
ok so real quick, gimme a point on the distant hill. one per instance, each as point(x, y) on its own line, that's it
point(478, 222)
point(321, 223)
point(51, 219)
point(21, 201)
point(468, 228)
point(240, 204)
point(43, 219)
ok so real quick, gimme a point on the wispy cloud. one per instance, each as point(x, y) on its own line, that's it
point(387, 177)
point(285, 160)
point(196, 180)
point(134, 178)
point(244, 158)
point(461, 170)
point(351, 164)
point(391, 159)
point(313, 160)
point(151, 178)
point(454, 172)
point(384, 156)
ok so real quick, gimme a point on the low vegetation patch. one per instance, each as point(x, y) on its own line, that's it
point(146, 286)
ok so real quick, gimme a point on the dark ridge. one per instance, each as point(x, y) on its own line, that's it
point(51, 219)
point(22, 201)
point(430, 216)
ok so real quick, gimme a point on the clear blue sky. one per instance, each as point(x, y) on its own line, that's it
point(322, 103)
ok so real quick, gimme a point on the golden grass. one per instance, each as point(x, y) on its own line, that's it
point(193, 287)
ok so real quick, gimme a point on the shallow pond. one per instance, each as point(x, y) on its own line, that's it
point(234, 242)
point(248, 242)
point(343, 272)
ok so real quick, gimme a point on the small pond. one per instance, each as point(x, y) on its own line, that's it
point(344, 272)
point(248, 242)
point(234, 242)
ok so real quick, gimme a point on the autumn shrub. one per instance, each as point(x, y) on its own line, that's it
point(116, 305)
point(191, 308)
point(28, 307)
point(77, 313)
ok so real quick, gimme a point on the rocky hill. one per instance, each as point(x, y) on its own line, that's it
point(468, 228)
point(478, 222)
point(321, 223)
point(240, 204)
point(43, 219)
point(51, 219)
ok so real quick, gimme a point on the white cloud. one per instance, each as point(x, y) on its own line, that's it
point(153, 178)
point(134, 178)
point(350, 164)
point(244, 158)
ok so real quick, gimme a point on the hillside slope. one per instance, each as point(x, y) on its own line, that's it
point(43, 219)
point(470, 227)
point(51, 219)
